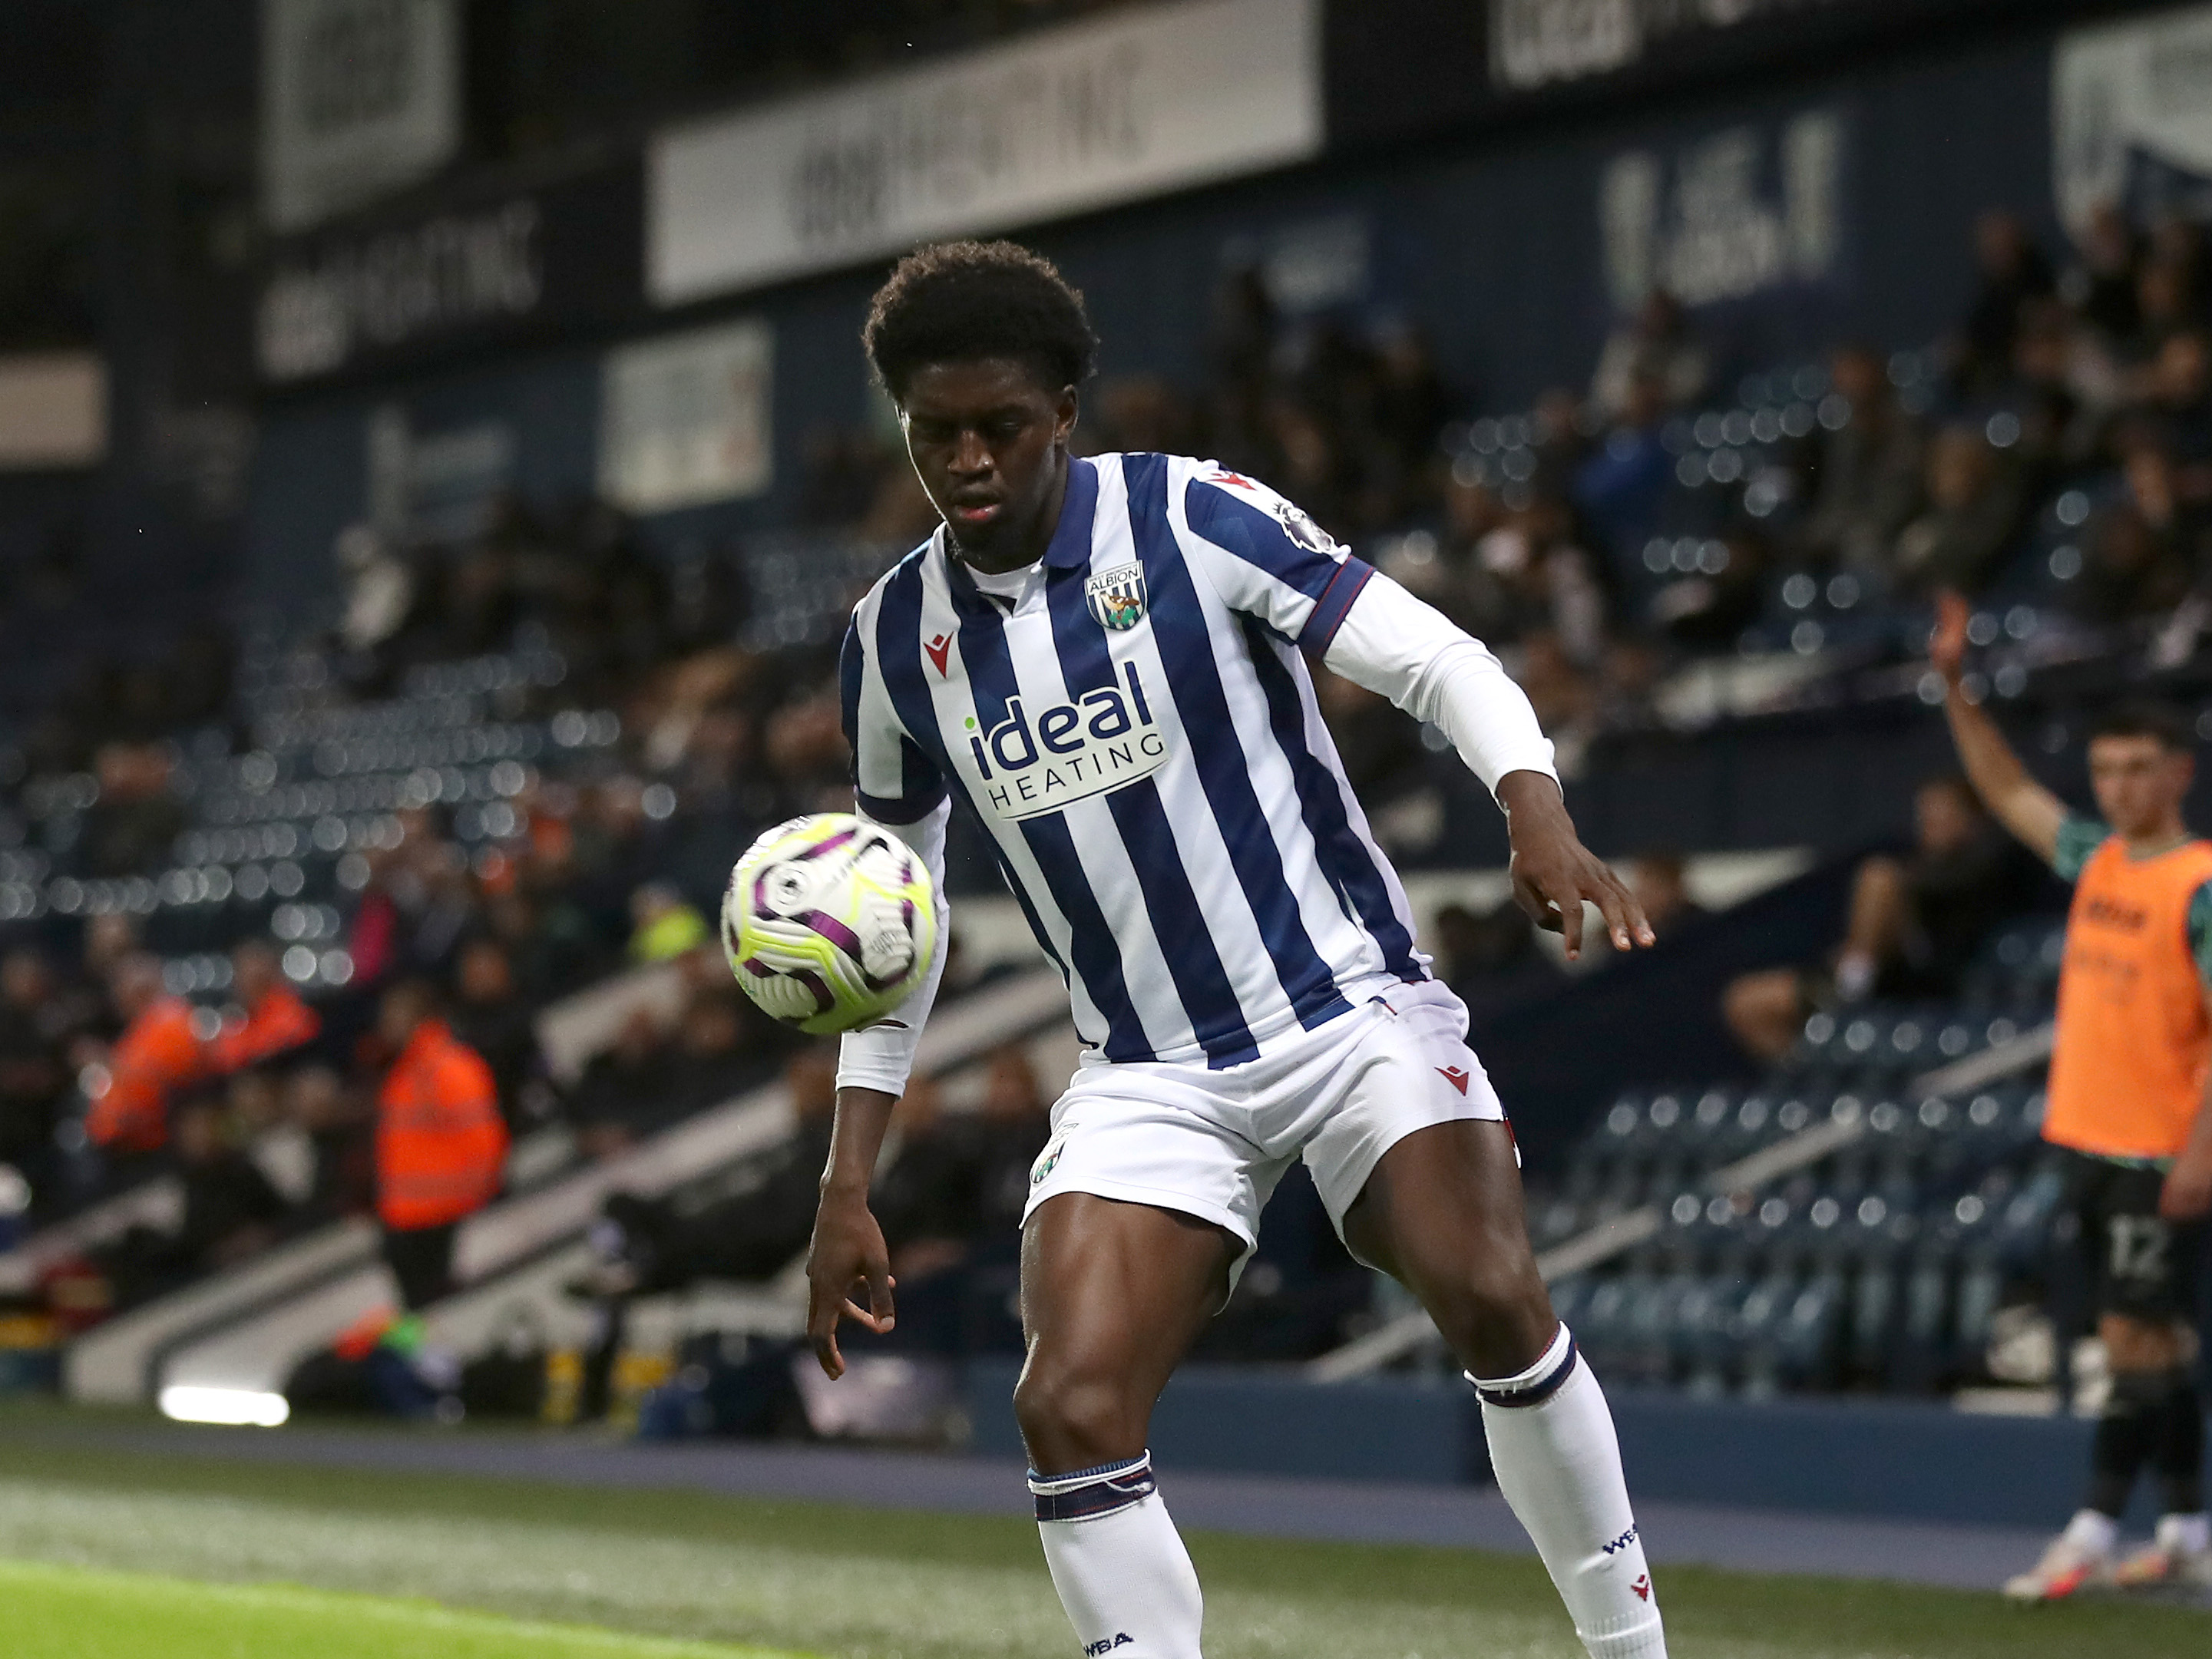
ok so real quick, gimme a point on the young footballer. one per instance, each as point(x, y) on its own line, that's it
point(1102, 658)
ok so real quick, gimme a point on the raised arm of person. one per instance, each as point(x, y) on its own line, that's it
point(2015, 799)
point(1267, 559)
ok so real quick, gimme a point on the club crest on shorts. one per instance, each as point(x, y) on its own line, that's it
point(1117, 597)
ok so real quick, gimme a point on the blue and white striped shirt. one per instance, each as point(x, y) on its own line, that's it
point(1139, 737)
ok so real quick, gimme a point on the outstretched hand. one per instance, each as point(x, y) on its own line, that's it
point(847, 1258)
point(1554, 872)
point(1947, 645)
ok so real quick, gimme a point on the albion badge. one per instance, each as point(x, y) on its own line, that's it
point(1117, 597)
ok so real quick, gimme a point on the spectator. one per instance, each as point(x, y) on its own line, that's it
point(2012, 270)
point(668, 927)
point(1380, 746)
point(339, 1122)
point(1491, 957)
point(2166, 305)
point(1867, 472)
point(712, 1059)
point(624, 1090)
point(379, 587)
point(159, 1053)
point(2134, 570)
point(1660, 882)
point(2100, 287)
point(961, 1180)
point(2178, 398)
point(490, 1017)
point(652, 1244)
point(1622, 485)
point(440, 1144)
point(33, 1063)
point(1975, 505)
point(1710, 609)
point(132, 824)
point(229, 1212)
point(1657, 347)
point(270, 1020)
point(1913, 926)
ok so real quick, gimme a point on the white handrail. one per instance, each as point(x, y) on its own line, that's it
point(1619, 1234)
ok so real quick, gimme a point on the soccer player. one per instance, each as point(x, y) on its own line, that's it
point(2128, 1082)
point(1102, 659)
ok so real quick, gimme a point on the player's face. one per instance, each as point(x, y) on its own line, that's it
point(989, 442)
point(2139, 782)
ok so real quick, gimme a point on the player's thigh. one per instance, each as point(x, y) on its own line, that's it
point(1443, 1214)
point(2142, 1262)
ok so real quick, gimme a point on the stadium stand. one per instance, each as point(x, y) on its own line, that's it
point(523, 755)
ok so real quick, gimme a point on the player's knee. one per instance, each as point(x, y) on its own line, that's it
point(2133, 1344)
point(1077, 1416)
point(1496, 1312)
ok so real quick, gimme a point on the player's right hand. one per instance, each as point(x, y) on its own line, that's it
point(847, 1255)
point(1947, 645)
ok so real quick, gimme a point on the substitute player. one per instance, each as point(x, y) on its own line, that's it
point(1101, 657)
point(2127, 1100)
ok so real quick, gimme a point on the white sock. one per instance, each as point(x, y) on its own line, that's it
point(1118, 1563)
point(2185, 1534)
point(2093, 1532)
point(1558, 1462)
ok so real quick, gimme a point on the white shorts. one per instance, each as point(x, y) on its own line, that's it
point(1213, 1144)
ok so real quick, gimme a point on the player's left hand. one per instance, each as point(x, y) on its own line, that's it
point(2187, 1193)
point(1554, 872)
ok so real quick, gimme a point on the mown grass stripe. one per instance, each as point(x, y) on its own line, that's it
point(87, 1613)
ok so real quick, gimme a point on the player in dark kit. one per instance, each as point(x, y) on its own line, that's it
point(1101, 656)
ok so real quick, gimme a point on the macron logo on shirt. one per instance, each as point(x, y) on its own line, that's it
point(1068, 752)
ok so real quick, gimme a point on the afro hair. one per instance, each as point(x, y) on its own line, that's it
point(964, 301)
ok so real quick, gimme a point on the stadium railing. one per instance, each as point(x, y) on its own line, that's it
point(230, 1335)
point(1730, 1184)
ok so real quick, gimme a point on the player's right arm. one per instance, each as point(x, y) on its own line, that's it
point(847, 1265)
point(2017, 800)
point(847, 1259)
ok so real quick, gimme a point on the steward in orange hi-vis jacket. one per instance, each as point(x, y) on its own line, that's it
point(276, 1020)
point(441, 1142)
point(159, 1053)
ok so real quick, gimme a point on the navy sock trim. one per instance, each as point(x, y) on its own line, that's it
point(1536, 1392)
point(1087, 1494)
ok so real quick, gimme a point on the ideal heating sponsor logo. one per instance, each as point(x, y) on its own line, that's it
point(1033, 764)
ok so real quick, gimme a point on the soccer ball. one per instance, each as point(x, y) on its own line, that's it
point(829, 923)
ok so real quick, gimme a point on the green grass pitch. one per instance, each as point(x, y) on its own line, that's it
point(243, 1561)
point(78, 1613)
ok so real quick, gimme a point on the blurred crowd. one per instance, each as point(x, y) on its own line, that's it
point(2085, 378)
point(1871, 477)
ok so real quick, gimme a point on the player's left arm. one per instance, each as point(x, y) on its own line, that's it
point(1393, 643)
point(2187, 1193)
point(1267, 559)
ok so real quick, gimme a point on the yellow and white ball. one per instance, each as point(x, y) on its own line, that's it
point(830, 923)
